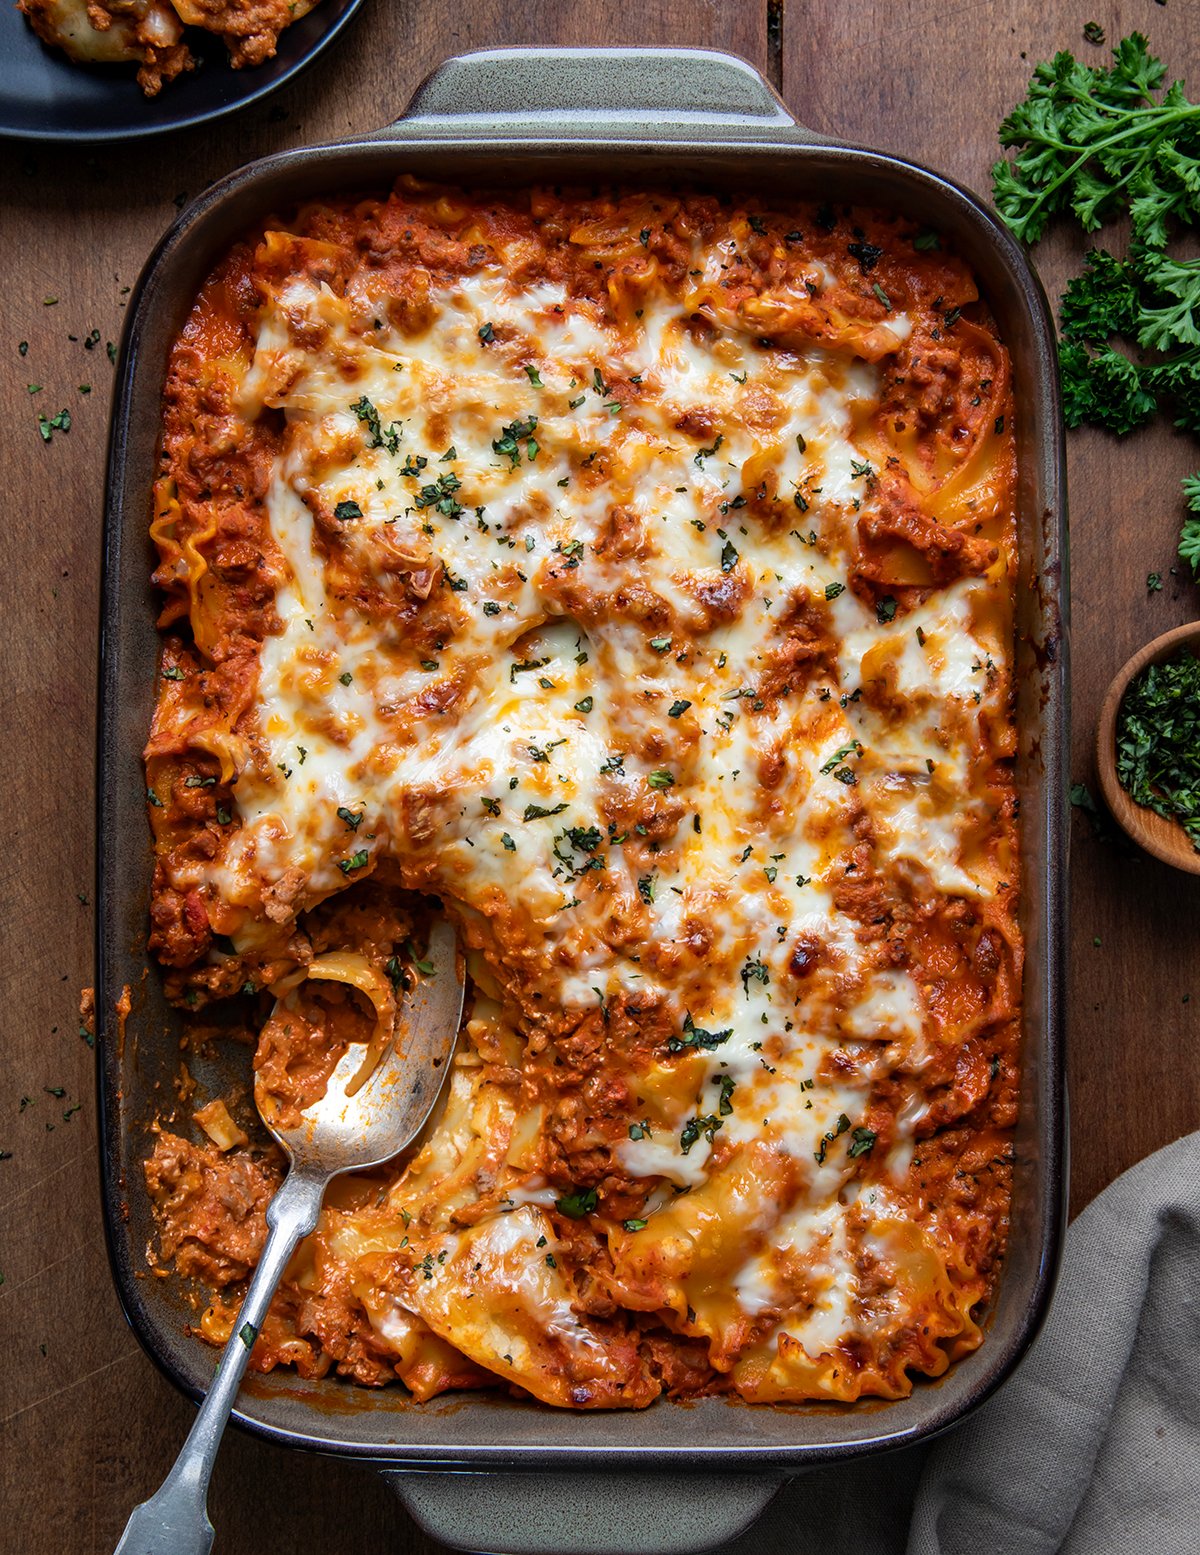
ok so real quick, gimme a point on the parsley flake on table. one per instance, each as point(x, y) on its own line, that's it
point(49, 425)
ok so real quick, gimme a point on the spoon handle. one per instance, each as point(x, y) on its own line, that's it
point(175, 1520)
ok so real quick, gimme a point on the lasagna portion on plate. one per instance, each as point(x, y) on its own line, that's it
point(627, 576)
point(149, 33)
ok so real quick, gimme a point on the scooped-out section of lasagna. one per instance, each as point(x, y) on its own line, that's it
point(627, 577)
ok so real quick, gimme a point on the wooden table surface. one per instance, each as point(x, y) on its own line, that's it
point(87, 1426)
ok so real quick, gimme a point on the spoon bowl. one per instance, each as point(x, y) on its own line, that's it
point(1165, 839)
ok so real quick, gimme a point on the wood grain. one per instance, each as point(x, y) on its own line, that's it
point(87, 1426)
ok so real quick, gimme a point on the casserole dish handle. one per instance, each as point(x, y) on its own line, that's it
point(669, 93)
point(585, 1512)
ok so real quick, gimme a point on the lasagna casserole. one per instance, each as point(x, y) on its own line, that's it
point(627, 576)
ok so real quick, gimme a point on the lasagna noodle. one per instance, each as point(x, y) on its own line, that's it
point(632, 573)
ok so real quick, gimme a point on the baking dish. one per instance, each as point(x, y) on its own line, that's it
point(616, 115)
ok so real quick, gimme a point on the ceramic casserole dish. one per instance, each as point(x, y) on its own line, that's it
point(524, 1472)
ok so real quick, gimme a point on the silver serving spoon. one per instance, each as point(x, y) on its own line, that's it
point(336, 1134)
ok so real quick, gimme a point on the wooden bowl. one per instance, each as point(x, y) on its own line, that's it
point(1165, 839)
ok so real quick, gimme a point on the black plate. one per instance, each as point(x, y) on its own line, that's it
point(46, 96)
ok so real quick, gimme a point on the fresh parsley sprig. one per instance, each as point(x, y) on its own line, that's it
point(1151, 301)
point(1096, 142)
point(1189, 539)
point(1093, 140)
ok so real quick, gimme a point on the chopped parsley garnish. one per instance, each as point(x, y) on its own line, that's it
point(508, 844)
point(645, 887)
point(696, 1037)
point(661, 779)
point(352, 820)
point(755, 970)
point(509, 442)
point(708, 1124)
point(677, 709)
point(486, 334)
point(426, 968)
point(832, 590)
point(867, 254)
point(347, 509)
point(521, 665)
point(885, 610)
point(345, 677)
point(726, 1084)
point(639, 1131)
point(1158, 741)
point(534, 378)
point(413, 465)
point(862, 1142)
point(355, 861)
point(729, 556)
point(661, 644)
point(535, 812)
point(380, 436)
point(577, 1204)
point(634, 1225)
point(584, 705)
point(440, 495)
point(840, 1127)
point(705, 453)
point(852, 749)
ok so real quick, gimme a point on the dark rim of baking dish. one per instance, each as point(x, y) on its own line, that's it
point(991, 1366)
